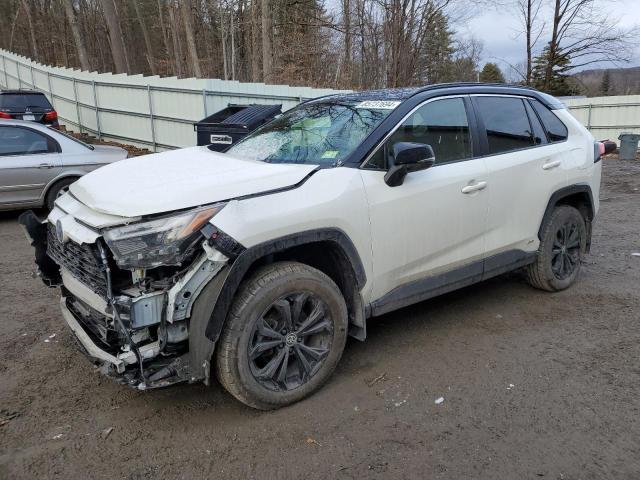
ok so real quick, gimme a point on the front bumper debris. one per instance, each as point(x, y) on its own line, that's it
point(140, 337)
point(90, 348)
point(120, 366)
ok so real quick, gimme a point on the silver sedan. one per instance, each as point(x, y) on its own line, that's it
point(38, 163)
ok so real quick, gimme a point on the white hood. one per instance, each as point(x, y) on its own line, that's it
point(179, 179)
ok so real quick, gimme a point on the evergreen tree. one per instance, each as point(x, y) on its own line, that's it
point(560, 66)
point(491, 73)
point(436, 52)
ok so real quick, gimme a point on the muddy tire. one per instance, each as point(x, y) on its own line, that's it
point(56, 190)
point(561, 251)
point(284, 336)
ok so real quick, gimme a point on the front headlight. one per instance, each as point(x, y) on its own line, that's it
point(164, 241)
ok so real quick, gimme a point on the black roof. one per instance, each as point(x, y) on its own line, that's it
point(402, 94)
point(382, 94)
point(20, 91)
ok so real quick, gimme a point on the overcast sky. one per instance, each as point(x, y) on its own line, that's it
point(498, 31)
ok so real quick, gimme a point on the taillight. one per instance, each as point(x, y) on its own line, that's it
point(597, 152)
point(50, 116)
point(604, 147)
point(5, 115)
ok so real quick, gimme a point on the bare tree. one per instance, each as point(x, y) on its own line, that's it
point(529, 11)
point(13, 28)
point(362, 44)
point(175, 38)
point(584, 34)
point(77, 35)
point(115, 36)
point(267, 61)
point(255, 41)
point(233, 45)
point(26, 5)
point(165, 38)
point(407, 24)
point(346, 15)
point(190, 37)
point(147, 40)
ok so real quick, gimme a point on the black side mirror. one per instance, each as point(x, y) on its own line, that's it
point(408, 157)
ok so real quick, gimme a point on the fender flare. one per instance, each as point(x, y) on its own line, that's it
point(250, 255)
point(563, 193)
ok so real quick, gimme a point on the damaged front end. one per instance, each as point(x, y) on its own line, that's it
point(130, 292)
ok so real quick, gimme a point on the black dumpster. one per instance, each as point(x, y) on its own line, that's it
point(232, 124)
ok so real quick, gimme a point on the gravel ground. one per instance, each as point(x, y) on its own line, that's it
point(535, 385)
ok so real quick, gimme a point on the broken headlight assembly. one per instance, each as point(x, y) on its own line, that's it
point(163, 241)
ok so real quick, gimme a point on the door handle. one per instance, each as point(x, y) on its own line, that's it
point(475, 187)
point(550, 165)
point(45, 165)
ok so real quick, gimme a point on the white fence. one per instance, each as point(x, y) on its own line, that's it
point(152, 112)
point(607, 117)
point(159, 112)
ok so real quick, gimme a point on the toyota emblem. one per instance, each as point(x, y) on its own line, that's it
point(59, 232)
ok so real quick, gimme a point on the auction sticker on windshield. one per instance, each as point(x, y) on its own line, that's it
point(378, 104)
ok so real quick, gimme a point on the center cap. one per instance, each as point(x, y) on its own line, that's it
point(291, 339)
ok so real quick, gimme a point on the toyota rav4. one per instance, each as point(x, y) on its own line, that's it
point(256, 264)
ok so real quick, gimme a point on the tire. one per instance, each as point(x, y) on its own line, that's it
point(561, 251)
point(56, 190)
point(256, 346)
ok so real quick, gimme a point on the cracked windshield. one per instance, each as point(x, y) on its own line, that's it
point(319, 133)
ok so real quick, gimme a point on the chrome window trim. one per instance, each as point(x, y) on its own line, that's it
point(524, 99)
point(413, 110)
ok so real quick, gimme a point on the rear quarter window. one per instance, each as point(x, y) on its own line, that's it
point(556, 130)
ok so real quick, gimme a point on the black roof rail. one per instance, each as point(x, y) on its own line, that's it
point(402, 94)
point(435, 86)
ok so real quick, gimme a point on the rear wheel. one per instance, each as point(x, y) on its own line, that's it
point(562, 248)
point(57, 190)
point(284, 336)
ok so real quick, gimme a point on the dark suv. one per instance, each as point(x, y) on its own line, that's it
point(27, 105)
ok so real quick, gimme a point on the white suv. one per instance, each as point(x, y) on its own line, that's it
point(256, 264)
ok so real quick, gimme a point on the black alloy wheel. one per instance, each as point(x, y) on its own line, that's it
point(290, 341)
point(566, 250)
point(284, 335)
point(563, 244)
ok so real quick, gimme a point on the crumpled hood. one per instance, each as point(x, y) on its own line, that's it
point(179, 179)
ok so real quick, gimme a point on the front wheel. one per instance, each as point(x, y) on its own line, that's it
point(562, 248)
point(284, 336)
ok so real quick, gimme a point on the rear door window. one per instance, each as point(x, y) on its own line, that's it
point(556, 130)
point(23, 141)
point(506, 124)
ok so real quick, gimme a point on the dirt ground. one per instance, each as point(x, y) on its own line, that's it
point(535, 385)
